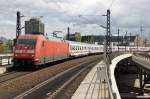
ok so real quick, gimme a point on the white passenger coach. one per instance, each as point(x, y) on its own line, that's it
point(81, 49)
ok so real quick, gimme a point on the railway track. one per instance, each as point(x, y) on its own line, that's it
point(54, 86)
point(59, 92)
point(15, 86)
point(11, 75)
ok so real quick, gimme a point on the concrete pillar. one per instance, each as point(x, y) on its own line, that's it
point(141, 82)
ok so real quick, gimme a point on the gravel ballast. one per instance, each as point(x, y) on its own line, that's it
point(16, 86)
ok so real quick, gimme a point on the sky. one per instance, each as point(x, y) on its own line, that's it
point(84, 16)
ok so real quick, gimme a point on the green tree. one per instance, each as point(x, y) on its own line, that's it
point(1, 48)
point(78, 36)
point(90, 39)
point(7, 46)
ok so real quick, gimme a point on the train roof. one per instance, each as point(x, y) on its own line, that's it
point(31, 36)
point(53, 39)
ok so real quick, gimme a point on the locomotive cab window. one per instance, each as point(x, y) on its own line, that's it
point(26, 42)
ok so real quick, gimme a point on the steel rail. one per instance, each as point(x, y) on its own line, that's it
point(69, 81)
point(11, 76)
point(52, 80)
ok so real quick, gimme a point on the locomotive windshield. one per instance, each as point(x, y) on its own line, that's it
point(26, 42)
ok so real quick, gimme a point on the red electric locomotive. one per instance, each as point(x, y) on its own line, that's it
point(36, 50)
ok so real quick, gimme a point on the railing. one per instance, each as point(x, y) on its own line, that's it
point(142, 57)
point(104, 79)
point(5, 59)
point(113, 94)
point(115, 54)
point(142, 60)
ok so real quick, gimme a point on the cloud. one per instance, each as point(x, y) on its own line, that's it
point(59, 14)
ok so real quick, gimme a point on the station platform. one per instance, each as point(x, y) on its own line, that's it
point(93, 86)
point(5, 62)
point(4, 68)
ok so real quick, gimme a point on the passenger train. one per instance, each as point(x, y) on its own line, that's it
point(37, 50)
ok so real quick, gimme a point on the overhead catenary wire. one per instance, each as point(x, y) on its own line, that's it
point(111, 4)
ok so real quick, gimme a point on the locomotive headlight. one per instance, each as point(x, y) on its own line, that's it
point(18, 51)
point(30, 51)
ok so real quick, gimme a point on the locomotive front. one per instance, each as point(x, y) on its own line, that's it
point(24, 50)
